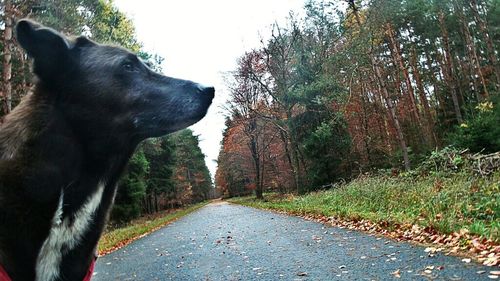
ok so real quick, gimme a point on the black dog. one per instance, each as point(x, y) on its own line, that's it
point(63, 148)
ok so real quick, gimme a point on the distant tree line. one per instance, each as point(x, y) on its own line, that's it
point(356, 86)
point(163, 173)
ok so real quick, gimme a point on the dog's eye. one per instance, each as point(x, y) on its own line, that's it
point(128, 66)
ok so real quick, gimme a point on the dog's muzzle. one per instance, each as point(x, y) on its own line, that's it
point(207, 93)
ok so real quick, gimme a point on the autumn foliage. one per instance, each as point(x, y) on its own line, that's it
point(358, 86)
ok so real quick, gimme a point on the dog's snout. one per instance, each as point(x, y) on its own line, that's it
point(208, 92)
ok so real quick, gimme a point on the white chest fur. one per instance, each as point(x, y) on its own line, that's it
point(64, 234)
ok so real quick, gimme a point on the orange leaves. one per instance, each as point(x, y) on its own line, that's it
point(251, 186)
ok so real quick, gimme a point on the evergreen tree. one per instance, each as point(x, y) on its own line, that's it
point(191, 173)
point(160, 155)
point(131, 188)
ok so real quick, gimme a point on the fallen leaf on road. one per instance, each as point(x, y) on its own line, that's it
point(316, 238)
point(396, 273)
point(433, 250)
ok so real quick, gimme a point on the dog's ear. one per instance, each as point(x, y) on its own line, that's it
point(48, 48)
point(83, 41)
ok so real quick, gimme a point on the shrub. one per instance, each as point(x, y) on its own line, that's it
point(482, 132)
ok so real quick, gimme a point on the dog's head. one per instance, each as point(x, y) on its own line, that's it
point(108, 88)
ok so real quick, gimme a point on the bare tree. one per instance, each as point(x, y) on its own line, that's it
point(6, 94)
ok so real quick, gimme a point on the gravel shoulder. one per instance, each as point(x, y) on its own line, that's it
point(222, 241)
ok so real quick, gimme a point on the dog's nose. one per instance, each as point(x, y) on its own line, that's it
point(208, 92)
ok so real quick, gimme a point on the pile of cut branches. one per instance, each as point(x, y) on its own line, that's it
point(451, 160)
point(485, 165)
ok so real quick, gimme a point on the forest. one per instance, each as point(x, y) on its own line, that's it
point(164, 173)
point(345, 89)
point(362, 87)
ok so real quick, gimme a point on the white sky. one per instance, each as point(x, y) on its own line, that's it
point(201, 40)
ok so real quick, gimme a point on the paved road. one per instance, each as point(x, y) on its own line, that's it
point(228, 242)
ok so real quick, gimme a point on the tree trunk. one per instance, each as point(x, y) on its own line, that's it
point(439, 100)
point(429, 123)
point(383, 89)
point(365, 124)
point(256, 163)
point(489, 43)
point(156, 202)
point(448, 68)
point(147, 203)
point(7, 56)
point(25, 67)
point(399, 61)
point(471, 48)
point(378, 105)
point(294, 153)
point(468, 69)
point(284, 139)
point(354, 10)
point(263, 174)
point(393, 115)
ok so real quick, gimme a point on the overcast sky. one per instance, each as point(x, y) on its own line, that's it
point(201, 41)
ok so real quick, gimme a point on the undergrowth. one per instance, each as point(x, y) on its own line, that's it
point(445, 203)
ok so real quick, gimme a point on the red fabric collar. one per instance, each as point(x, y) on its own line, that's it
point(5, 277)
point(90, 272)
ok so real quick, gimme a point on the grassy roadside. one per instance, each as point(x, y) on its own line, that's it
point(444, 205)
point(119, 237)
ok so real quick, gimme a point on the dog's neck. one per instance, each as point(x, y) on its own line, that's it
point(77, 182)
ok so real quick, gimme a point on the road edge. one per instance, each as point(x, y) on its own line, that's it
point(118, 238)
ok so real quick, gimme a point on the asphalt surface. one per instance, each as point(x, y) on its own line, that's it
point(227, 242)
